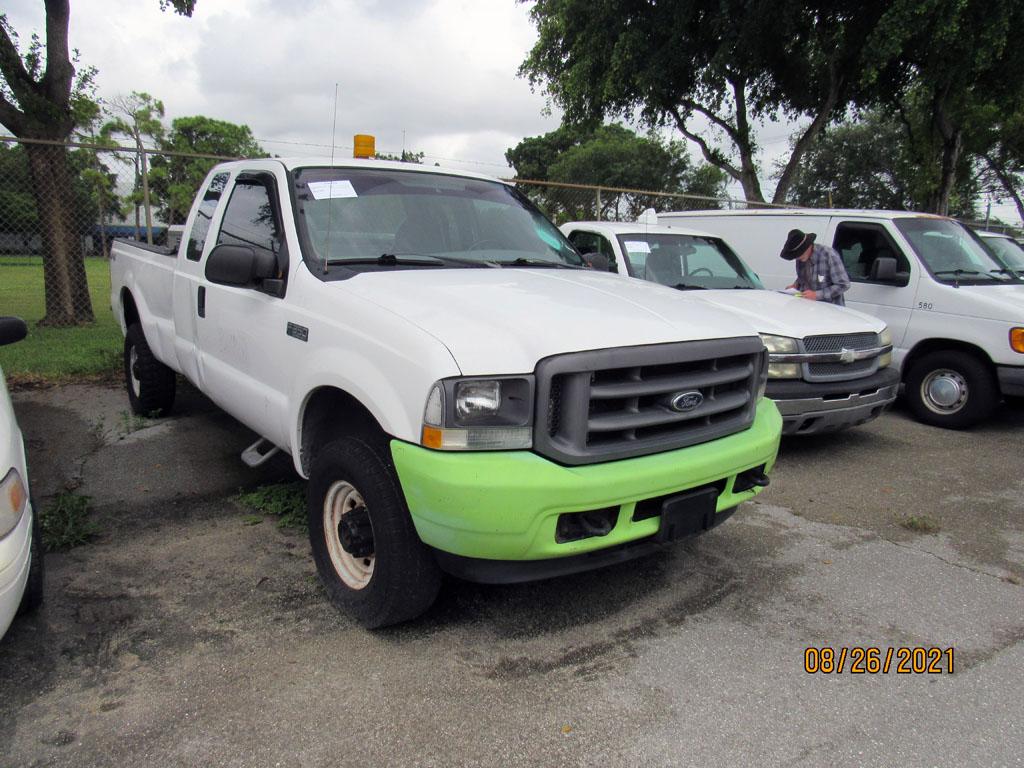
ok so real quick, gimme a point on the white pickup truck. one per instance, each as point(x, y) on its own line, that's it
point(460, 392)
point(829, 367)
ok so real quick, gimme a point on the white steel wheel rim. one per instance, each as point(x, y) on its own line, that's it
point(133, 362)
point(342, 497)
point(944, 391)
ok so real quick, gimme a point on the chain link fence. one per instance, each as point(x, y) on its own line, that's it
point(61, 205)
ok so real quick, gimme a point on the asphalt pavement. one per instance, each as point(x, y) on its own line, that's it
point(187, 635)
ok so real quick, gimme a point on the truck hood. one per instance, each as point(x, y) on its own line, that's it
point(497, 321)
point(784, 315)
point(994, 302)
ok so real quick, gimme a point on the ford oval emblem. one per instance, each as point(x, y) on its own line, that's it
point(685, 401)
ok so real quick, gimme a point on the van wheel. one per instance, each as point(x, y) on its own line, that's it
point(150, 383)
point(369, 557)
point(32, 597)
point(952, 389)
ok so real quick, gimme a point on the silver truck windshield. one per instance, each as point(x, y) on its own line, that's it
point(357, 215)
point(685, 261)
point(1008, 252)
point(952, 253)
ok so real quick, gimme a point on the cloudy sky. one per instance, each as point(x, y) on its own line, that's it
point(438, 75)
point(444, 72)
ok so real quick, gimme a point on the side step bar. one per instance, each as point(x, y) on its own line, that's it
point(259, 452)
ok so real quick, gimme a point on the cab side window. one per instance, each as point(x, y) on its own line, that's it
point(591, 242)
point(201, 226)
point(860, 244)
point(250, 220)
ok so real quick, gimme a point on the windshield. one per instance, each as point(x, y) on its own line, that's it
point(952, 253)
point(1008, 252)
point(357, 214)
point(685, 261)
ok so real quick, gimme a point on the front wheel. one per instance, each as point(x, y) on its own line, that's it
point(150, 383)
point(951, 389)
point(367, 552)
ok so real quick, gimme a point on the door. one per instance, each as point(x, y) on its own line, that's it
point(859, 243)
point(242, 327)
point(189, 287)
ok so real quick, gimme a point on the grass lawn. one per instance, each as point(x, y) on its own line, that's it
point(56, 354)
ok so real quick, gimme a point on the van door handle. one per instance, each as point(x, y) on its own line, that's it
point(202, 301)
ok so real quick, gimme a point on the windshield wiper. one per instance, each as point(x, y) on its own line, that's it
point(521, 262)
point(414, 260)
point(689, 287)
point(957, 272)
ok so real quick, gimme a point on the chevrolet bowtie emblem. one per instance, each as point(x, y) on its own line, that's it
point(847, 355)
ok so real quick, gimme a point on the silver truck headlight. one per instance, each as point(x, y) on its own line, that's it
point(781, 345)
point(13, 501)
point(479, 414)
point(885, 340)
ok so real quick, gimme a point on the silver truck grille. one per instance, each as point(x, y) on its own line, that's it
point(836, 343)
point(613, 404)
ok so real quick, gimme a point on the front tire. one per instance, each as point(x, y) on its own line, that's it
point(150, 383)
point(367, 552)
point(951, 389)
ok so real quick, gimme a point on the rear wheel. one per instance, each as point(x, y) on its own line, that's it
point(150, 383)
point(951, 389)
point(367, 552)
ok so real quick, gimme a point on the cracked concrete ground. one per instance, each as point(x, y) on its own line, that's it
point(184, 636)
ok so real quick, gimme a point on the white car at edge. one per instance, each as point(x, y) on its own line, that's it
point(21, 561)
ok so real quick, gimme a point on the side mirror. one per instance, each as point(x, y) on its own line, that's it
point(883, 270)
point(240, 265)
point(597, 262)
point(12, 329)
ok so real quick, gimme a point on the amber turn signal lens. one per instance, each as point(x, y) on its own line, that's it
point(1017, 339)
point(432, 437)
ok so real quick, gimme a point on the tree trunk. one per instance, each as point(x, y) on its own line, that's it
point(67, 293)
point(951, 148)
point(1006, 180)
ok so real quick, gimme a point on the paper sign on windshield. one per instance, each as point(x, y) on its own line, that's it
point(638, 246)
point(323, 190)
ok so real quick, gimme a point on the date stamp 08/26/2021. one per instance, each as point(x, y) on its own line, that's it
point(870, 660)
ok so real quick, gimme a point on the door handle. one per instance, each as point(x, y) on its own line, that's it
point(202, 301)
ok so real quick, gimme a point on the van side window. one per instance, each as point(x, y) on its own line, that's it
point(591, 242)
point(201, 226)
point(249, 220)
point(860, 244)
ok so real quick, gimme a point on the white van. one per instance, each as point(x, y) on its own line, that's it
point(956, 314)
point(828, 367)
point(1006, 249)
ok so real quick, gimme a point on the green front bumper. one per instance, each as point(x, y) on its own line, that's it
point(504, 505)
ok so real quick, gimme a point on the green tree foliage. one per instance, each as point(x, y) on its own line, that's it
point(46, 101)
point(958, 61)
point(871, 162)
point(138, 117)
point(711, 69)
point(610, 156)
point(405, 157)
point(176, 178)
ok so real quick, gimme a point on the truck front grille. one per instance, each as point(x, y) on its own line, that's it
point(837, 343)
point(617, 403)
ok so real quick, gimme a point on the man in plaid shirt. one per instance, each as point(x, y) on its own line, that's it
point(820, 274)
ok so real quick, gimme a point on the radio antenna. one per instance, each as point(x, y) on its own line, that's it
point(330, 181)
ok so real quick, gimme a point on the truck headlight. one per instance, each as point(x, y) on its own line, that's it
point(13, 501)
point(781, 345)
point(479, 414)
point(885, 340)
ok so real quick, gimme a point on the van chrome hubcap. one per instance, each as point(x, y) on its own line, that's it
point(944, 391)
